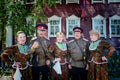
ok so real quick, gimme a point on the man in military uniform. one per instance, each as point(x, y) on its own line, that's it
point(77, 49)
point(40, 55)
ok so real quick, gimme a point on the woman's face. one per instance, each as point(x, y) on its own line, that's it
point(93, 37)
point(21, 38)
point(60, 38)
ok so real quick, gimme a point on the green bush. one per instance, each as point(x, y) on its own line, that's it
point(114, 65)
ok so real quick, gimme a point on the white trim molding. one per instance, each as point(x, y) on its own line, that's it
point(72, 1)
point(96, 1)
point(113, 1)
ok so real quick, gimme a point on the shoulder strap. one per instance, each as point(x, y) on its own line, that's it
point(80, 48)
point(42, 47)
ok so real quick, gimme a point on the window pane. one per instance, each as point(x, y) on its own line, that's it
point(96, 27)
point(70, 30)
point(99, 25)
point(113, 30)
point(52, 30)
point(101, 30)
point(112, 21)
point(71, 24)
point(118, 30)
point(119, 22)
point(56, 29)
point(97, 0)
point(115, 21)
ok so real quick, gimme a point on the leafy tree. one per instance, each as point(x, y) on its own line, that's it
point(14, 13)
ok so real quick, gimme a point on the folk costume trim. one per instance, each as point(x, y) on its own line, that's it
point(23, 49)
point(62, 46)
point(93, 60)
point(94, 45)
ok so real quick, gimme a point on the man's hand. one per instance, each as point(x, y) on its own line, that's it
point(35, 45)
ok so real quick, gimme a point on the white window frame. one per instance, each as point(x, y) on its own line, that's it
point(72, 1)
point(59, 1)
point(113, 1)
point(102, 1)
point(54, 17)
point(72, 17)
point(115, 17)
point(32, 2)
point(99, 17)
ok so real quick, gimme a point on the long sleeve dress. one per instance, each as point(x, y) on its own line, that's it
point(18, 53)
point(61, 53)
point(98, 69)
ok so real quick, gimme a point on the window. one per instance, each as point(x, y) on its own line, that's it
point(30, 21)
point(113, 1)
point(30, 1)
point(71, 22)
point(54, 24)
point(98, 1)
point(99, 23)
point(59, 1)
point(72, 1)
point(114, 26)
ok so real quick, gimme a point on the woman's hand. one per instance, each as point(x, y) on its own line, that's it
point(69, 66)
point(17, 64)
point(104, 58)
point(57, 59)
point(47, 62)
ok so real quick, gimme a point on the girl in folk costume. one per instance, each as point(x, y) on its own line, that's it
point(17, 57)
point(98, 68)
point(59, 52)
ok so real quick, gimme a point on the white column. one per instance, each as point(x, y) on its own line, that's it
point(8, 36)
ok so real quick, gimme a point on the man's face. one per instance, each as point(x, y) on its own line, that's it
point(77, 35)
point(41, 32)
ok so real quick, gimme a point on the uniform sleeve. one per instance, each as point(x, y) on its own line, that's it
point(69, 53)
point(87, 52)
point(109, 47)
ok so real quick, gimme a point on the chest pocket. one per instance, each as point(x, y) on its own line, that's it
point(75, 53)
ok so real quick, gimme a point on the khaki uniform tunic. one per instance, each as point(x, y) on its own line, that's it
point(76, 55)
point(39, 54)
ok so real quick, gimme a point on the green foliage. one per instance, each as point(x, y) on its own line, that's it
point(114, 65)
point(13, 13)
point(7, 72)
